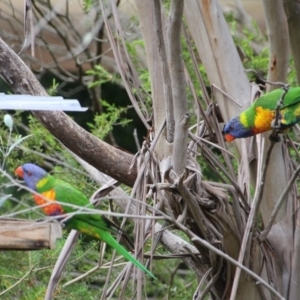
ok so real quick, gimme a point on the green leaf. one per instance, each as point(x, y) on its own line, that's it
point(4, 198)
point(16, 143)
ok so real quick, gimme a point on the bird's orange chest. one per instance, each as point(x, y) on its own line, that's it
point(50, 209)
point(263, 119)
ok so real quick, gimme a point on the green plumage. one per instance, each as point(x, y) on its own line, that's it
point(290, 110)
point(90, 224)
point(260, 116)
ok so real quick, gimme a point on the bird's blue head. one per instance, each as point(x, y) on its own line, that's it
point(31, 173)
point(234, 129)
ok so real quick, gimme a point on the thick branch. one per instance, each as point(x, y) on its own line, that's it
point(278, 40)
point(99, 154)
point(292, 10)
point(178, 86)
point(166, 72)
point(147, 17)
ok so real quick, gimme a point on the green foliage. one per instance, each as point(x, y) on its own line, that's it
point(6, 147)
point(183, 287)
point(145, 79)
point(136, 50)
point(27, 279)
point(112, 116)
point(292, 75)
point(52, 90)
point(100, 76)
point(87, 5)
point(250, 45)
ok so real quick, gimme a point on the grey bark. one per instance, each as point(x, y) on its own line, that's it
point(292, 11)
point(277, 29)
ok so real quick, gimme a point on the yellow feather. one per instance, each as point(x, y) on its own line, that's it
point(263, 119)
point(42, 182)
point(243, 119)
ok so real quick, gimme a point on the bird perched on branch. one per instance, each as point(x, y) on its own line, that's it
point(56, 194)
point(260, 116)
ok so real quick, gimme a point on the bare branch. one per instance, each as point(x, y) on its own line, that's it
point(178, 86)
point(170, 122)
point(60, 263)
point(292, 10)
point(280, 201)
point(278, 41)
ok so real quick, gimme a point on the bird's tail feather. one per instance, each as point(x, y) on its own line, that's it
point(110, 240)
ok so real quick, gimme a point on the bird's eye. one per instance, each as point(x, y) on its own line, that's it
point(29, 173)
point(231, 126)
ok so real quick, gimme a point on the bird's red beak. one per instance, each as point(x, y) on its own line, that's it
point(19, 172)
point(229, 137)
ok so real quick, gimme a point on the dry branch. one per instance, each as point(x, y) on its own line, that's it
point(178, 86)
point(28, 235)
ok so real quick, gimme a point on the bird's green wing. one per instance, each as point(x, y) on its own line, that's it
point(270, 100)
point(66, 193)
point(290, 114)
point(292, 97)
point(289, 111)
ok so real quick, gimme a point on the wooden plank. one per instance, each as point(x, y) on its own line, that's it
point(16, 234)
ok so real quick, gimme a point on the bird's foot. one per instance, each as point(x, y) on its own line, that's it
point(275, 138)
point(276, 126)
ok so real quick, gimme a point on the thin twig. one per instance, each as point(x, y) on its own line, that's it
point(227, 95)
point(208, 154)
point(93, 270)
point(202, 282)
point(209, 246)
point(277, 207)
point(282, 84)
point(61, 261)
point(19, 281)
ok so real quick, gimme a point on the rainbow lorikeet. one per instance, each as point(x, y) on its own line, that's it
point(260, 116)
point(54, 189)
